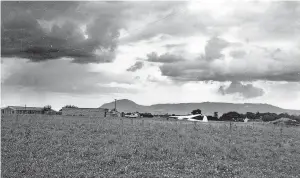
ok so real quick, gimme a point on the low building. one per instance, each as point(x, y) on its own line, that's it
point(91, 112)
point(9, 110)
point(114, 113)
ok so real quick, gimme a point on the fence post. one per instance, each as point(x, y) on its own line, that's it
point(195, 123)
point(230, 127)
point(121, 125)
point(281, 130)
point(131, 121)
point(17, 118)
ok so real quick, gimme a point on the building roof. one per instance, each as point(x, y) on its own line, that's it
point(25, 108)
point(85, 108)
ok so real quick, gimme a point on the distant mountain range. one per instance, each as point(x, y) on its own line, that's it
point(207, 108)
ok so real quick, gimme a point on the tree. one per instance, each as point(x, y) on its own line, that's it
point(284, 115)
point(268, 117)
point(146, 115)
point(232, 116)
point(216, 114)
point(70, 106)
point(46, 109)
point(250, 115)
point(196, 111)
point(212, 118)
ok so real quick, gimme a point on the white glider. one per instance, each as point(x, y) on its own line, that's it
point(195, 117)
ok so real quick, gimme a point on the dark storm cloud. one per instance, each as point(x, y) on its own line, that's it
point(164, 58)
point(23, 35)
point(43, 31)
point(137, 66)
point(246, 91)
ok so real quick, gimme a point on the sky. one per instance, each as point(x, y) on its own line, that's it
point(90, 53)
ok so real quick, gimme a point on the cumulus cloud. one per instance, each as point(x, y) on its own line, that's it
point(163, 58)
point(244, 90)
point(237, 53)
point(137, 66)
point(214, 47)
point(251, 63)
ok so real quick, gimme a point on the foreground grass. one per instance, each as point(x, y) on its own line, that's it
point(89, 147)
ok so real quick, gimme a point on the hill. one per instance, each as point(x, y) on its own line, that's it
point(126, 105)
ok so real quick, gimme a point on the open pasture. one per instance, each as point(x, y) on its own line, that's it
point(58, 146)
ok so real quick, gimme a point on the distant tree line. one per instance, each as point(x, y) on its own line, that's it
point(196, 111)
point(149, 115)
point(265, 117)
point(70, 106)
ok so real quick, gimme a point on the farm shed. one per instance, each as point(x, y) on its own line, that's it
point(113, 113)
point(94, 112)
point(21, 110)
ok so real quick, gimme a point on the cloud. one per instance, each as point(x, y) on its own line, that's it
point(175, 20)
point(164, 58)
point(214, 48)
point(61, 77)
point(253, 63)
point(237, 53)
point(255, 21)
point(246, 91)
point(87, 32)
point(24, 35)
point(137, 66)
point(172, 46)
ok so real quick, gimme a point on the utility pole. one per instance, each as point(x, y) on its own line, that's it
point(115, 104)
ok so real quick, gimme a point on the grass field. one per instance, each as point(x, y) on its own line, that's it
point(48, 146)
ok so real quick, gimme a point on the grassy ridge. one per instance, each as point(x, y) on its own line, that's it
point(89, 147)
